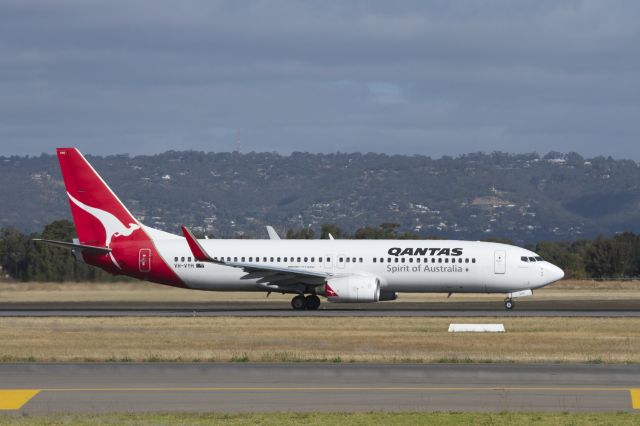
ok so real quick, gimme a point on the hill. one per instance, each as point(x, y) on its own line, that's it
point(525, 198)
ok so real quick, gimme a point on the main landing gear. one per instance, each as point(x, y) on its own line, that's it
point(508, 303)
point(310, 302)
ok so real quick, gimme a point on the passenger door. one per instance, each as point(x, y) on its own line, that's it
point(328, 261)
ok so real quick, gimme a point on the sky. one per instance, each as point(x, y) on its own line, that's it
point(399, 77)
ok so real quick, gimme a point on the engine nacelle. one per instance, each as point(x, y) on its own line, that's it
point(352, 289)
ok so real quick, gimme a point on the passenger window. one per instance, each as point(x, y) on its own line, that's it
point(446, 260)
point(341, 260)
point(360, 260)
point(354, 260)
point(374, 260)
point(466, 260)
point(278, 259)
point(439, 260)
point(417, 260)
point(306, 259)
point(388, 260)
point(396, 260)
point(189, 259)
point(473, 260)
point(460, 260)
point(251, 259)
point(411, 260)
point(402, 260)
point(312, 259)
point(328, 260)
point(175, 259)
point(320, 260)
point(242, 258)
point(348, 259)
point(285, 259)
point(182, 259)
point(298, 259)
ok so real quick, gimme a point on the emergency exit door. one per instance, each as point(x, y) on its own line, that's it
point(500, 261)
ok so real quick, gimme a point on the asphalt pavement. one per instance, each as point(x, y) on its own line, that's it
point(246, 387)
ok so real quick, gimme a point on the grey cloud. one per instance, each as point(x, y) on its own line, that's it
point(438, 77)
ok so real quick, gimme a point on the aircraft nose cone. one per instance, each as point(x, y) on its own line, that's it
point(555, 273)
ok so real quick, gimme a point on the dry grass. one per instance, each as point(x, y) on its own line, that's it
point(608, 340)
point(147, 292)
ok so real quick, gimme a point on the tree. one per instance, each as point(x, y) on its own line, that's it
point(47, 263)
point(335, 231)
point(13, 252)
point(300, 234)
point(602, 258)
point(386, 231)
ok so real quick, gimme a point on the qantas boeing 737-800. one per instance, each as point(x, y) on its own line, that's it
point(110, 237)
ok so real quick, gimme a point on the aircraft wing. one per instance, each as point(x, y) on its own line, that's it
point(269, 277)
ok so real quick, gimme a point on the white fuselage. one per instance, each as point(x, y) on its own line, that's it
point(433, 265)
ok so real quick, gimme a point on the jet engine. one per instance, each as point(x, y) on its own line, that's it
point(351, 289)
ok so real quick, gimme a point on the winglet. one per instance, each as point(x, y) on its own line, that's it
point(198, 252)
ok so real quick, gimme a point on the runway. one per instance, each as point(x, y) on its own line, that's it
point(240, 387)
point(616, 308)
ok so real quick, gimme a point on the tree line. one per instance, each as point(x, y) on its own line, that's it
point(24, 260)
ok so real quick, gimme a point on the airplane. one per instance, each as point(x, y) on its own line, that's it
point(356, 271)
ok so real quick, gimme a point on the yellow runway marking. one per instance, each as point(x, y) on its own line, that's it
point(14, 399)
point(635, 398)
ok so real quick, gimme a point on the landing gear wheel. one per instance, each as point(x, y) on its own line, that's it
point(298, 302)
point(312, 302)
point(508, 304)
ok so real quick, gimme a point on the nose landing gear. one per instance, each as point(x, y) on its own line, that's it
point(508, 303)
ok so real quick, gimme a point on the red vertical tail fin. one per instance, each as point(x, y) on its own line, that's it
point(98, 214)
point(103, 221)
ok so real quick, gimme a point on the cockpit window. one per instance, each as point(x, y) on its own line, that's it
point(539, 259)
point(532, 259)
point(524, 258)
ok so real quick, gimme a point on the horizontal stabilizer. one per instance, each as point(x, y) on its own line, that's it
point(89, 249)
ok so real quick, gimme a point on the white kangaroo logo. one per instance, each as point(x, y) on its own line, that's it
point(112, 226)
